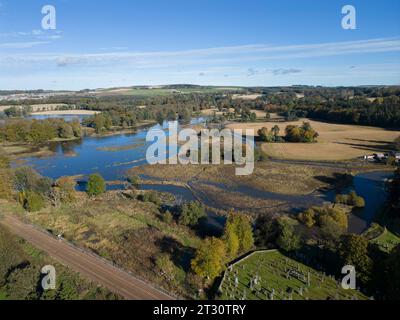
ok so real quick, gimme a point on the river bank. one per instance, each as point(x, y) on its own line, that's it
point(275, 187)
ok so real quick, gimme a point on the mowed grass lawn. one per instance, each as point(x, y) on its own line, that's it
point(336, 142)
point(273, 268)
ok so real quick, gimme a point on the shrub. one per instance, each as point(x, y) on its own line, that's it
point(6, 188)
point(191, 213)
point(31, 201)
point(308, 217)
point(66, 186)
point(167, 217)
point(134, 180)
point(96, 185)
point(266, 135)
point(169, 270)
point(289, 239)
point(351, 199)
point(151, 196)
point(27, 179)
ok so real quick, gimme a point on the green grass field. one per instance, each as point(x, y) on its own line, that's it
point(280, 278)
point(153, 92)
point(387, 241)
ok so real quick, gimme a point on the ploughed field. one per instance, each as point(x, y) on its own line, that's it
point(336, 141)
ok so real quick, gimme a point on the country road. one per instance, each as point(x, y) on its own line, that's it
point(89, 265)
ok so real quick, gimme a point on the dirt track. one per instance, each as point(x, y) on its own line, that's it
point(89, 265)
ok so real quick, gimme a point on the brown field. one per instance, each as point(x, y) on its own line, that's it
point(66, 112)
point(246, 96)
point(336, 141)
point(38, 107)
point(210, 112)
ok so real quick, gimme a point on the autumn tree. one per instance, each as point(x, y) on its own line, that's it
point(308, 217)
point(275, 130)
point(31, 201)
point(210, 257)
point(96, 185)
point(289, 239)
point(354, 251)
point(238, 234)
point(231, 240)
point(304, 133)
point(191, 213)
point(351, 199)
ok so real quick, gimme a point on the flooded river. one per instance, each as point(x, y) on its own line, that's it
point(112, 155)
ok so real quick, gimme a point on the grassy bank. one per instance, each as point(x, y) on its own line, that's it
point(20, 275)
point(127, 231)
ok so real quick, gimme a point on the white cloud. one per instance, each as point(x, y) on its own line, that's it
point(36, 34)
point(245, 53)
point(259, 64)
point(278, 72)
point(66, 61)
point(21, 45)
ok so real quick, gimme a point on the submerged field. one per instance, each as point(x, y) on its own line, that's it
point(335, 142)
point(273, 187)
point(268, 176)
point(270, 275)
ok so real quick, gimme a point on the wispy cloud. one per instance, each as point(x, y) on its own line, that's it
point(35, 34)
point(244, 53)
point(279, 72)
point(67, 61)
point(21, 45)
point(245, 64)
point(276, 72)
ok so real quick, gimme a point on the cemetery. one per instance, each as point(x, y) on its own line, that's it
point(270, 275)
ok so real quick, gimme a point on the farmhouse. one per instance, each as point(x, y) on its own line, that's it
point(380, 157)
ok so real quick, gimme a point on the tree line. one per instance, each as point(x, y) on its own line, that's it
point(39, 131)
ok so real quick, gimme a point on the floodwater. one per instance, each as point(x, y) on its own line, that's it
point(89, 155)
point(66, 117)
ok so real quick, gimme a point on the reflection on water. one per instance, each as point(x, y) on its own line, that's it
point(67, 117)
point(86, 156)
point(212, 226)
point(370, 186)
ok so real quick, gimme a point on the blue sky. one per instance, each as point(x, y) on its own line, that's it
point(248, 43)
